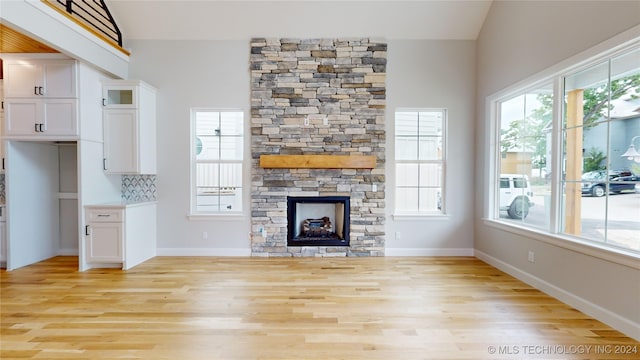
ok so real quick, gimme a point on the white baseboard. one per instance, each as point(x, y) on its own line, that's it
point(626, 326)
point(429, 252)
point(203, 252)
point(67, 252)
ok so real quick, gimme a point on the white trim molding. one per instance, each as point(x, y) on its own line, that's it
point(223, 252)
point(429, 252)
point(624, 325)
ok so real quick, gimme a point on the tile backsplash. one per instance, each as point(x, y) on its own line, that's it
point(139, 187)
point(2, 197)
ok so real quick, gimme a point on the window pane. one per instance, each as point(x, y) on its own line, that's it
point(231, 148)
point(406, 123)
point(430, 148)
point(430, 123)
point(218, 140)
point(207, 122)
point(407, 174)
point(406, 148)
point(406, 199)
point(232, 123)
point(207, 147)
point(429, 199)
point(419, 147)
point(230, 175)
point(430, 174)
point(525, 130)
point(591, 88)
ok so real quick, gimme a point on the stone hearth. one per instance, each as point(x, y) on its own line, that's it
point(317, 97)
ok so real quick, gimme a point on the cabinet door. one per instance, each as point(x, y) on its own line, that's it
point(60, 79)
point(119, 97)
point(22, 79)
point(120, 141)
point(41, 78)
point(21, 116)
point(3, 243)
point(41, 117)
point(59, 117)
point(104, 243)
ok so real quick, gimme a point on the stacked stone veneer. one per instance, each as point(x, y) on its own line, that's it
point(318, 96)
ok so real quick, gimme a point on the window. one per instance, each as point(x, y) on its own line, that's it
point(420, 161)
point(217, 143)
point(525, 124)
point(567, 163)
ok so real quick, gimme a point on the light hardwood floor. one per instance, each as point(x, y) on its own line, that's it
point(306, 308)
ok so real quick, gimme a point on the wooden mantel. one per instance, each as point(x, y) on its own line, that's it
point(318, 161)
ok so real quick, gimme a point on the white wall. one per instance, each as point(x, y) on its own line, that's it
point(518, 40)
point(434, 74)
point(192, 74)
point(216, 74)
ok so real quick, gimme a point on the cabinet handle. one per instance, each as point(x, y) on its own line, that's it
point(36, 127)
point(104, 163)
point(104, 102)
point(86, 230)
point(40, 127)
point(3, 164)
point(103, 215)
point(40, 90)
point(35, 90)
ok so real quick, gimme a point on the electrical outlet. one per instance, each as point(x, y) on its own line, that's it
point(205, 235)
point(532, 256)
point(263, 232)
point(325, 121)
point(374, 187)
point(398, 235)
point(306, 121)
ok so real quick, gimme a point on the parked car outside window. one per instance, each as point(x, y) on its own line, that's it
point(594, 182)
point(516, 196)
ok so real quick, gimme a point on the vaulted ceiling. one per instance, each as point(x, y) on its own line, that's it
point(243, 19)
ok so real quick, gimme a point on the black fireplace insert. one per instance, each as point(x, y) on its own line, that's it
point(318, 220)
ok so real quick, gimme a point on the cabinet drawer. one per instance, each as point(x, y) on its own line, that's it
point(104, 215)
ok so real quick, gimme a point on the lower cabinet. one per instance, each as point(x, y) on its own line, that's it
point(105, 235)
point(3, 239)
point(119, 235)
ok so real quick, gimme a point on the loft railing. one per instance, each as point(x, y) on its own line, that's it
point(92, 14)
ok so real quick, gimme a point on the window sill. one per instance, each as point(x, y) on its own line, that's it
point(420, 216)
point(217, 217)
point(614, 255)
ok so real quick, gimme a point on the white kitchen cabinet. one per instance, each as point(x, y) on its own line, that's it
point(42, 78)
point(39, 117)
point(2, 125)
point(105, 235)
point(3, 239)
point(129, 121)
point(120, 234)
point(40, 98)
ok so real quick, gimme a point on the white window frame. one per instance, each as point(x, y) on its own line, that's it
point(615, 46)
point(413, 215)
point(194, 214)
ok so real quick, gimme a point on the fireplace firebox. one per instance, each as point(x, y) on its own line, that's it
point(318, 220)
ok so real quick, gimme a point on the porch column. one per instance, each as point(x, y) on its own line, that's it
point(573, 193)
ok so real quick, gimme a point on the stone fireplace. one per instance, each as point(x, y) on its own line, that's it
point(318, 97)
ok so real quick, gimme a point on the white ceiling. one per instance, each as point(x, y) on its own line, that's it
point(243, 19)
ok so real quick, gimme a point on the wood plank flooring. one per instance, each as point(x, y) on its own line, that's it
point(302, 308)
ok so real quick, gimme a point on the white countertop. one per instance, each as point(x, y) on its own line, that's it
point(122, 204)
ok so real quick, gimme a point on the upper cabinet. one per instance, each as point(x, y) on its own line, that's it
point(120, 96)
point(129, 121)
point(40, 98)
point(40, 78)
